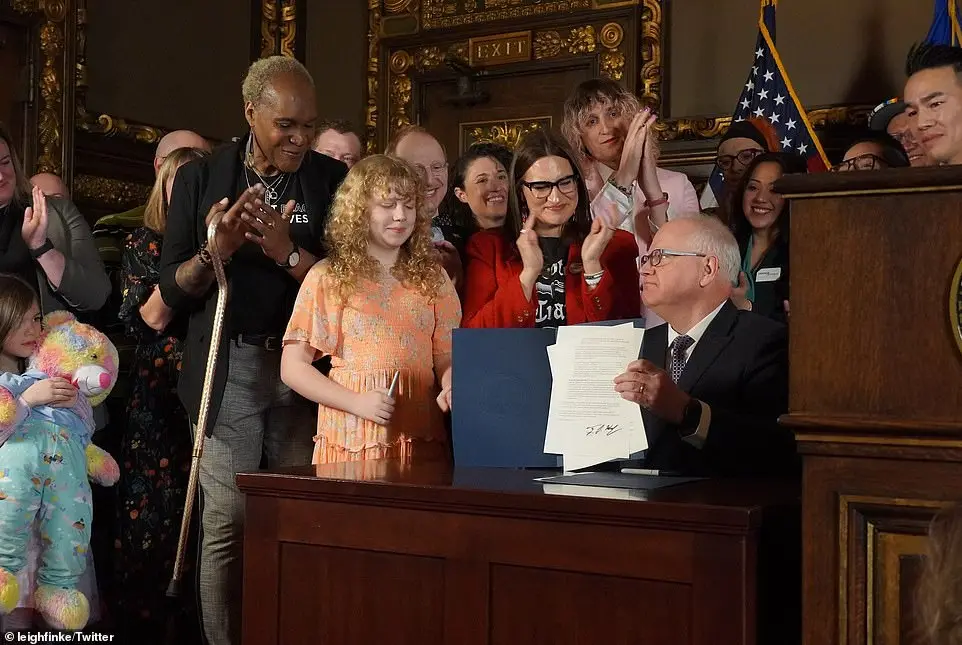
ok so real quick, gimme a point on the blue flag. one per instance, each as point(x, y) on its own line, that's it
point(768, 96)
point(945, 28)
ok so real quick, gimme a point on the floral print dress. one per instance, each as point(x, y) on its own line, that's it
point(382, 328)
point(155, 453)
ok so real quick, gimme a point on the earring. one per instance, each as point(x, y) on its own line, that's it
point(249, 157)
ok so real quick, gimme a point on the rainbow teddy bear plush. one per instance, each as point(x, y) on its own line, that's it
point(44, 467)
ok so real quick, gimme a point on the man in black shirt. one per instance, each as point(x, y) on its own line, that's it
point(274, 194)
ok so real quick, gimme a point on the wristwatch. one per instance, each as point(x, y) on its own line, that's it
point(292, 259)
point(690, 419)
point(43, 248)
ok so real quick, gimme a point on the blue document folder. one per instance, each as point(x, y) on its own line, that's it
point(501, 389)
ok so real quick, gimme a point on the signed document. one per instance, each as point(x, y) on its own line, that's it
point(588, 422)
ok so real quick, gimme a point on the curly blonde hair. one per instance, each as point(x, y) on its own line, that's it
point(349, 228)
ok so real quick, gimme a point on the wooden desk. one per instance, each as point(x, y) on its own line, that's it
point(375, 554)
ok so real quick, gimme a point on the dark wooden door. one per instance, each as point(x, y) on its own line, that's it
point(519, 101)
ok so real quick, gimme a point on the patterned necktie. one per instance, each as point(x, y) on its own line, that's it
point(678, 348)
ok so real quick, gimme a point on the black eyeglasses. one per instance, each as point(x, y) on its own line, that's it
point(656, 256)
point(541, 189)
point(868, 161)
point(725, 162)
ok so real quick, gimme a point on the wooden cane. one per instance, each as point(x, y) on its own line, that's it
point(173, 589)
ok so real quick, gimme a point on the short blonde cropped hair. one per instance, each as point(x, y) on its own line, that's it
point(262, 73)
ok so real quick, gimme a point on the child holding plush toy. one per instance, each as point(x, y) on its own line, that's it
point(46, 455)
point(383, 309)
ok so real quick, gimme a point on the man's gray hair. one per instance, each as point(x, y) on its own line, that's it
point(263, 72)
point(712, 237)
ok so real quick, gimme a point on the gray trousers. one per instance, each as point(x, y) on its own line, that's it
point(259, 416)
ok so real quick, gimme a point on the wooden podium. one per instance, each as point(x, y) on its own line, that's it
point(875, 388)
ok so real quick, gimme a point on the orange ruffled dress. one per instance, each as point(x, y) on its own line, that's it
point(382, 327)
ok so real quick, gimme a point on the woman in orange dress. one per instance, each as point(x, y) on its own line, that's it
point(380, 304)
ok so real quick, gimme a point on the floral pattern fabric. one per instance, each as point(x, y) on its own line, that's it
point(155, 457)
point(382, 328)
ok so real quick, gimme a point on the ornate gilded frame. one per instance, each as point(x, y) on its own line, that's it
point(603, 37)
point(435, 14)
point(62, 28)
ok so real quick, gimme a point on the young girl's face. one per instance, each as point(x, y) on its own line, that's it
point(21, 342)
point(392, 221)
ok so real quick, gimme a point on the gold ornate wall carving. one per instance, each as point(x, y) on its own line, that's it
point(285, 24)
point(53, 119)
point(507, 133)
point(604, 39)
point(109, 192)
point(439, 14)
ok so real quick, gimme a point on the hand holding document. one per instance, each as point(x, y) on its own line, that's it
point(588, 422)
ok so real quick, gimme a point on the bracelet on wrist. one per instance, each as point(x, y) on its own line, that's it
point(203, 254)
point(592, 279)
point(650, 203)
point(627, 192)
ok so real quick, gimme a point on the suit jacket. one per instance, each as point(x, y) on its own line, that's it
point(84, 285)
point(740, 368)
point(493, 296)
point(198, 185)
point(770, 296)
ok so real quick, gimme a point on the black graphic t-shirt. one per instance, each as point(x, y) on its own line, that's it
point(251, 272)
point(551, 284)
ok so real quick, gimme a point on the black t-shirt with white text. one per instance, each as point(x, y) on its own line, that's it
point(262, 293)
point(550, 286)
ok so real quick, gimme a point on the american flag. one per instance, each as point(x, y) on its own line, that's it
point(768, 94)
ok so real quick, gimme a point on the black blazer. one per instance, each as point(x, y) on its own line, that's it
point(198, 185)
point(740, 369)
point(770, 296)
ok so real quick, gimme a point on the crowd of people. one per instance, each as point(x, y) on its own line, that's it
point(348, 273)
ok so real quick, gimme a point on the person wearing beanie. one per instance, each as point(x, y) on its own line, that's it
point(891, 117)
point(741, 143)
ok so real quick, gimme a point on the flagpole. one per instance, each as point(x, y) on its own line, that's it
point(954, 21)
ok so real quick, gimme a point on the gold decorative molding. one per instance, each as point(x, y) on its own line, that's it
point(50, 120)
point(549, 44)
point(586, 39)
point(652, 45)
point(715, 126)
point(110, 192)
point(373, 43)
point(439, 14)
point(103, 124)
point(606, 41)
point(506, 133)
point(272, 24)
point(862, 521)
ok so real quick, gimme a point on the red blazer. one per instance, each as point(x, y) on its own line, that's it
point(493, 295)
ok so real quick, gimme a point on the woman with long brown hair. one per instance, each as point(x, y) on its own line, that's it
point(553, 263)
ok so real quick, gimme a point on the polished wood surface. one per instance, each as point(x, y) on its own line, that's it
point(380, 553)
point(875, 389)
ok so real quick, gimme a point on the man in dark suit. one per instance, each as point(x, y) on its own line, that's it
point(713, 380)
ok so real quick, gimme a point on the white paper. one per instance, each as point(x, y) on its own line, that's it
point(588, 422)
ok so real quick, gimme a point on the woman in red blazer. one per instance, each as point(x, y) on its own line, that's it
point(551, 264)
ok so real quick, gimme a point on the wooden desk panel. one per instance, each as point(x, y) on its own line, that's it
point(427, 555)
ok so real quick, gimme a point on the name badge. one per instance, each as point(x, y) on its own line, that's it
point(769, 275)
